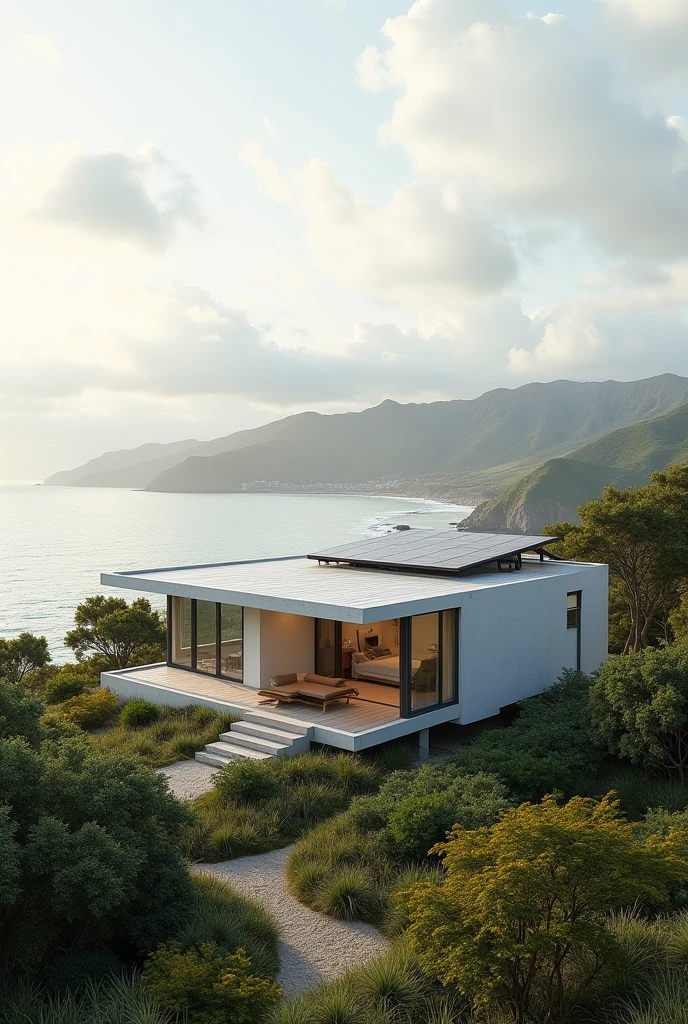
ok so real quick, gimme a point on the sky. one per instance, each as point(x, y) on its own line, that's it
point(220, 213)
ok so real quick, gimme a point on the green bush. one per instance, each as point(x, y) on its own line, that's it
point(247, 782)
point(208, 987)
point(547, 748)
point(139, 713)
point(20, 714)
point(90, 710)
point(367, 849)
point(89, 854)
point(63, 685)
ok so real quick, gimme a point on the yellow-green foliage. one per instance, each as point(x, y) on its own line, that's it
point(89, 710)
point(524, 904)
point(207, 986)
point(178, 734)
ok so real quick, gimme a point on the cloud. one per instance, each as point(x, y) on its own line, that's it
point(112, 195)
point(651, 34)
point(36, 49)
point(425, 246)
point(533, 115)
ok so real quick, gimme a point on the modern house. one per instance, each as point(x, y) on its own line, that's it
point(426, 626)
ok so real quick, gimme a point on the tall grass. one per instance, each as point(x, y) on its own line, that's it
point(175, 736)
point(222, 915)
point(389, 990)
point(274, 802)
point(117, 1001)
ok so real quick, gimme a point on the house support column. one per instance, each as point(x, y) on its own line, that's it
point(424, 744)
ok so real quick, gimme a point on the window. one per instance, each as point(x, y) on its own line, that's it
point(429, 653)
point(206, 634)
point(207, 637)
point(231, 644)
point(573, 606)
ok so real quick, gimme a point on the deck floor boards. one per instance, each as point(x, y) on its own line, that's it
point(357, 716)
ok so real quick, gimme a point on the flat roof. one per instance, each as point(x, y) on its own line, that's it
point(441, 552)
point(303, 587)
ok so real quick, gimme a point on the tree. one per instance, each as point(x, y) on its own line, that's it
point(22, 654)
point(89, 852)
point(118, 634)
point(521, 916)
point(639, 708)
point(642, 533)
point(20, 715)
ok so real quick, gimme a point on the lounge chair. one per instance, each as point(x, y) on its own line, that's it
point(309, 689)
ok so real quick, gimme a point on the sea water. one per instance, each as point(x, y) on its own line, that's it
point(55, 541)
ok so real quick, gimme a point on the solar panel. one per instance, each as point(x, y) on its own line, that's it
point(434, 551)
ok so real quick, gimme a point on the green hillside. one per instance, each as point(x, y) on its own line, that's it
point(554, 491)
point(463, 449)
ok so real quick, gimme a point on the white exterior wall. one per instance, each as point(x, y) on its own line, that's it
point(287, 644)
point(514, 642)
point(251, 648)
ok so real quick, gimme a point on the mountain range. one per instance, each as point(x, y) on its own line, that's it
point(515, 444)
point(553, 492)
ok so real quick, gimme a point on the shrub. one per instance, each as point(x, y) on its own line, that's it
point(419, 822)
point(115, 1001)
point(90, 710)
point(89, 854)
point(207, 987)
point(62, 685)
point(246, 782)
point(178, 733)
point(547, 748)
point(139, 713)
point(639, 708)
point(20, 714)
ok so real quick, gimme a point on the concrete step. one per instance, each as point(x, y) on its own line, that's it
point(278, 722)
point(231, 751)
point(267, 732)
point(253, 743)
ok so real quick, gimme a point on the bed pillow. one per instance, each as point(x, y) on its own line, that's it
point(369, 654)
point(358, 657)
point(381, 651)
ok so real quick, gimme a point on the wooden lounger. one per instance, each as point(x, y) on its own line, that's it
point(307, 691)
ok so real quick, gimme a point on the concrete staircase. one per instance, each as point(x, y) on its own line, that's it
point(258, 736)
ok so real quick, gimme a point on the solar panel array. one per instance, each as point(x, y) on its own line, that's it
point(439, 551)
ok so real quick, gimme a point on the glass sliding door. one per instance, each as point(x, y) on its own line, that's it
point(328, 647)
point(206, 636)
point(181, 647)
point(425, 662)
point(428, 661)
point(231, 632)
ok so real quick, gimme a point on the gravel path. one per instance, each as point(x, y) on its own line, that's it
point(312, 947)
point(188, 779)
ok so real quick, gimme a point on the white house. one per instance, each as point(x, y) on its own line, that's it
point(427, 627)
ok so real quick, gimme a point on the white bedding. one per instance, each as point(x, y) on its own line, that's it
point(386, 670)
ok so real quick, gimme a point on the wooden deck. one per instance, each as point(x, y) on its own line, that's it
point(348, 726)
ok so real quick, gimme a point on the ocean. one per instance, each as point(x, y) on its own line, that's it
point(55, 541)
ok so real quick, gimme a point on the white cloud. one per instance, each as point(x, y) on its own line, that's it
point(532, 114)
point(651, 34)
point(272, 181)
point(111, 194)
point(34, 48)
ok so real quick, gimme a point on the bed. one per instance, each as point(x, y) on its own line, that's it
point(380, 670)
